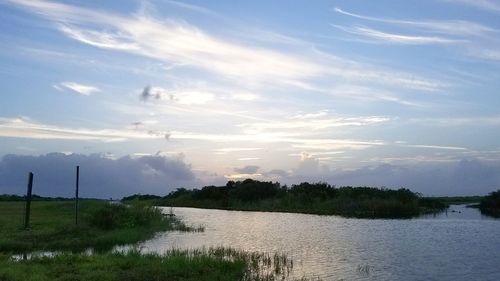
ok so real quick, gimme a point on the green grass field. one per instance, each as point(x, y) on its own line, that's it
point(101, 225)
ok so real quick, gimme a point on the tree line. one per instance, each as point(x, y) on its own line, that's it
point(316, 198)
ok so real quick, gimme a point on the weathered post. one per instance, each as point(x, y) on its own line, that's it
point(76, 193)
point(28, 201)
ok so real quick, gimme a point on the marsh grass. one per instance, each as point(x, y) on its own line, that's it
point(102, 225)
point(200, 264)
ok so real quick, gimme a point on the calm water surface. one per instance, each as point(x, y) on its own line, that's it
point(460, 245)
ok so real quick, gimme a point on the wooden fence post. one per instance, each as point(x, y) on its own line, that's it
point(28, 201)
point(76, 193)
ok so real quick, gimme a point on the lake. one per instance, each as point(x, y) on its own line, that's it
point(457, 245)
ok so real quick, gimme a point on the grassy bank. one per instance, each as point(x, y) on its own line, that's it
point(101, 225)
point(206, 265)
point(317, 198)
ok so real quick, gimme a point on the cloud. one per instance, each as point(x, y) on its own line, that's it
point(317, 146)
point(466, 177)
point(485, 53)
point(81, 89)
point(192, 7)
point(276, 172)
point(180, 43)
point(138, 124)
point(184, 97)
point(185, 44)
point(474, 40)
point(452, 27)
point(440, 178)
point(475, 121)
point(336, 144)
point(250, 169)
point(396, 38)
point(488, 5)
point(310, 167)
point(369, 94)
point(235, 149)
point(146, 94)
point(27, 128)
point(100, 176)
point(314, 121)
point(99, 39)
point(435, 147)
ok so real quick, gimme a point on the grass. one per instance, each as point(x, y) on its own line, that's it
point(182, 265)
point(101, 225)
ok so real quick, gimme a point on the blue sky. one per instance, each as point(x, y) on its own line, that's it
point(380, 93)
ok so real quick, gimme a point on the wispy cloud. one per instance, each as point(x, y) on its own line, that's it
point(193, 47)
point(336, 144)
point(314, 121)
point(177, 42)
point(248, 158)
point(474, 39)
point(474, 121)
point(26, 128)
point(488, 5)
point(368, 94)
point(492, 54)
point(452, 27)
point(185, 96)
point(235, 149)
point(316, 153)
point(395, 38)
point(435, 147)
point(81, 89)
point(241, 176)
point(192, 7)
point(99, 39)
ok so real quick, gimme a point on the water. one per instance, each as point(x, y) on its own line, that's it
point(460, 245)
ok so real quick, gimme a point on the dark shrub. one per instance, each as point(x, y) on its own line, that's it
point(490, 205)
point(112, 216)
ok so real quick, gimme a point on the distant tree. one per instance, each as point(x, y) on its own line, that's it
point(252, 190)
point(490, 205)
point(140, 197)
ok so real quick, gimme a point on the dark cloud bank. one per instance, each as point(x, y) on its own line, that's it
point(99, 176)
point(103, 177)
point(464, 177)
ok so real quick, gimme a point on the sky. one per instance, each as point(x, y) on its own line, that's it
point(148, 96)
